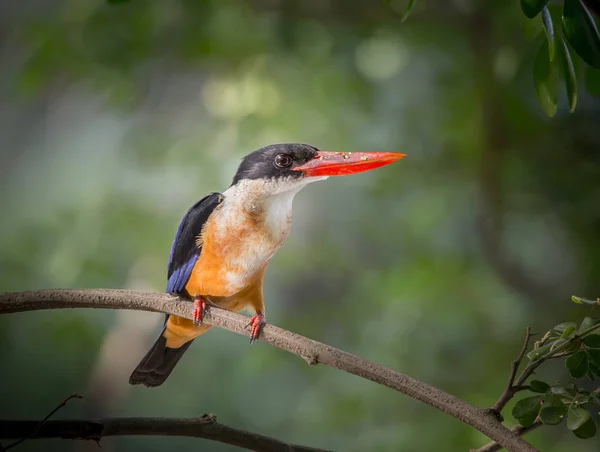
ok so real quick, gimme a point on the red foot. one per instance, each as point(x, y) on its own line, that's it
point(199, 310)
point(257, 323)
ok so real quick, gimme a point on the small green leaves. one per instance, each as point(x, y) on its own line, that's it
point(532, 8)
point(408, 10)
point(526, 410)
point(580, 29)
point(538, 353)
point(545, 79)
point(539, 386)
point(568, 70)
point(592, 341)
point(549, 29)
point(577, 417)
point(592, 83)
point(562, 327)
point(577, 364)
point(587, 430)
point(567, 332)
point(553, 415)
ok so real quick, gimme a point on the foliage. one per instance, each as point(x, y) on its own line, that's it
point(579, 345)
point(579, 29)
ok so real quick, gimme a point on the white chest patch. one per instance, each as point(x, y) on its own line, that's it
point(260, 213)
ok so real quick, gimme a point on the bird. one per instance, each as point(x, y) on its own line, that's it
point(225, 241)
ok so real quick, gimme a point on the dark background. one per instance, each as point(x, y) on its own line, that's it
point(115, 118)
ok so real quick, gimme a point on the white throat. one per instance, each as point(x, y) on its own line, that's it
point(278, 209)
point(272, 199)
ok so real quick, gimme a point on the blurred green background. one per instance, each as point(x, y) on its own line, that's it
point(114, 119)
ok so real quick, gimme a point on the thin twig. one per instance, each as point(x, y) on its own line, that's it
point(311, 351)
point(42, 422)
point(205, 426)
point(518, 429)
point(510, 390)
point(533, 365)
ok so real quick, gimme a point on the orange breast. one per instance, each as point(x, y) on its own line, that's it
point(233, 254)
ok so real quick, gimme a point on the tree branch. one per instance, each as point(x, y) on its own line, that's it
point(313, 352)
point(201, 427)
point(511, 389)
point(518, 429)
point(40, 424)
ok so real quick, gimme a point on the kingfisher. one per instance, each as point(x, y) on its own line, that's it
point(225, 241)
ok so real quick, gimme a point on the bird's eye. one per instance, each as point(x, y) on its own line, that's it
point(283, 161)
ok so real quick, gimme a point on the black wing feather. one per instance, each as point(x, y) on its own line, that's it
point(185, 251)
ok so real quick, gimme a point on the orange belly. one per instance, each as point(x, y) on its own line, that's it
point(179, 330)
point(231, 258)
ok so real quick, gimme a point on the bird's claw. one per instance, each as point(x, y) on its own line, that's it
point(256, 322)
point(199, 310)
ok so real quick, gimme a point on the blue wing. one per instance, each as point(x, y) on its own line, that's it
point(185, 251)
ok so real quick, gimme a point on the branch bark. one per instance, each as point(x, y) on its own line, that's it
point(518, 429)
point(202, 427)
point(311, 351)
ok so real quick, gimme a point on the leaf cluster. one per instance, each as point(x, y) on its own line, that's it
point(580, 345)
point(571, 27)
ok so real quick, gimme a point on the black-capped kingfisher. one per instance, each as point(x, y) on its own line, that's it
point(225, 241)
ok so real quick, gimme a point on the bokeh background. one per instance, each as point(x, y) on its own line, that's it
point(114, 119)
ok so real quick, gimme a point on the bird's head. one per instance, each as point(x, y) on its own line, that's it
point(290, 166)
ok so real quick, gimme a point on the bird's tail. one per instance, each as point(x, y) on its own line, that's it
point(156, 366)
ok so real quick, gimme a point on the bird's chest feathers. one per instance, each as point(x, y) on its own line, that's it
point(249, 231)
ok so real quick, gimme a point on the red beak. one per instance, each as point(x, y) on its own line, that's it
point(343, 163)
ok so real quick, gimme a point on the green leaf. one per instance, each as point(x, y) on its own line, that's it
point(577, 364)
point(549, 29)
point(592, 84)
point(532, 8)
point(561, 327)
point(568, 70)
point(580, 29)
point(587, 430)
point(567, 332)
point(528, 420)
point(557, 344)
point(539, 386)
point(552, 399)
point(527, 407)
point(577, 417)
point(553, 415)
point(538, 353)
point(531, 27)
point(594, 356)
point(545, 80)
point(587, 323)
point(593, 341)
point(408, 10)
point(575, 299)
